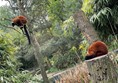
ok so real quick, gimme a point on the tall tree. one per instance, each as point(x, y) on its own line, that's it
point(86, 28)
point(24, 8)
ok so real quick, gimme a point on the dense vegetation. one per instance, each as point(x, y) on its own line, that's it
point(103, 15)
point(62, 44)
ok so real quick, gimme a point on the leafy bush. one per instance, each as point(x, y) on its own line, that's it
point(9, 65)
point(113, 45)
point(67, 60)
point(83, 47)
point(52, 69)
point(104, 16)
point(69, 39)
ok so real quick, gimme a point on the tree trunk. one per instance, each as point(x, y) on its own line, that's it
point(86, 28)
point(39, 58)
point(102, 70)
point(34, 42)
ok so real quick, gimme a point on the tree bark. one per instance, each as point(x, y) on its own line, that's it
point(39, 58)
point(35, 44)
point(86, 28)
point(102, 70)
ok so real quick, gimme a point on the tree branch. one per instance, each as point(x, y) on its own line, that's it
point(10, 27)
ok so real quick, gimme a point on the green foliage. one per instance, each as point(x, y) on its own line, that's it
point(5, 16)
point(53, 69)
point(113, 44)
point(63, 30)
point(83, 47)
point(87, 6)
point(56, 9)
point(67, 60)
point(67, 27)
point(69, 37)
point(60, 10)
point(103, 20)
point(7, 47)
point(35, 79)
point(9, 65)
point(101, 4)
point(104, 16)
